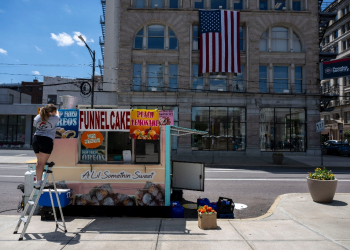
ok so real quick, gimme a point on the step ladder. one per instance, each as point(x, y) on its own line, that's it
point(32, 204)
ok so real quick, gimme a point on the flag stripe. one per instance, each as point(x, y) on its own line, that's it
point(207, 52)
point(238, 51)
point(217, 52)
point(233, 54)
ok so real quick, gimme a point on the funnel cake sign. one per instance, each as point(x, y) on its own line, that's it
point(144, 124)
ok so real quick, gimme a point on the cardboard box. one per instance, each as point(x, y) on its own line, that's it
point(207, 221)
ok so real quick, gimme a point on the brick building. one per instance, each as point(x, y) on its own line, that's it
point(151, 61)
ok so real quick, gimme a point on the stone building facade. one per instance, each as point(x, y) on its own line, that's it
point(337, 39)
point(151, 60)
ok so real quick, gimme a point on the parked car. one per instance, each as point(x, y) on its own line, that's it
point(337, 148)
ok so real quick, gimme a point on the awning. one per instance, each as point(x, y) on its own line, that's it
point(178, 131)
point(325, 132)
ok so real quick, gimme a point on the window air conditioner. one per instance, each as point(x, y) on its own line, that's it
point(199, 87)
point(220, 89)
point(284, 8)
point(286, 91)
point(154, 89)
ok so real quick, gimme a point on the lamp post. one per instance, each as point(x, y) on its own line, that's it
point(92, 54)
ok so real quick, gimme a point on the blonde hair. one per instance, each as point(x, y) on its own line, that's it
point(44, 112)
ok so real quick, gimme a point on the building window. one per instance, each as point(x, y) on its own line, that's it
point(52, 99)
point(238, 6)
point(347, 117)
point(139, 3)
point(173, 4)
point(172, 40)
point(296, 5)
point(157, 38)
point(335, 48)
point(280, 40)
point(138, 40)
point(198, 4)
point(298, 79)
point(344, 29)
point(226, 127)
point(218, 81)
point(195, 43)
point(11, 99)
point(347, 81)
point(238, 81)
point(283, 129)
point(280, 79)
point(241, 38)
point(159, 4)
point(263, 4)
point(137, 77)
point(40, 99)
point(215, 4)
point(40, 89)
point(263, 78)
point(344, 45)
point(336, 18)
point(12, 130)
point(348, 43)
point(197, 80)
point(155, 77)
point(172, 77)
point(29, 89)
point(280, 4)
point(296, 43)
point(344, 11)
point(335, 34)
point(263, 41)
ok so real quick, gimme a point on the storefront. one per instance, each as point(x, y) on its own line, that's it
point(117, 157)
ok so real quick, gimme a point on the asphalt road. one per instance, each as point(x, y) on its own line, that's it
point(255, 188)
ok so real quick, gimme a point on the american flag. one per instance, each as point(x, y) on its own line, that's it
point(219, 41)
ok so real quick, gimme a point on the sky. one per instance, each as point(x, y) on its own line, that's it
point(40, 38)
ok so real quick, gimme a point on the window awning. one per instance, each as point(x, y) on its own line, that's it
point(179, 131)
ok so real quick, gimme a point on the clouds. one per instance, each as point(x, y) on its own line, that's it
point(2, 51)
point(37, 48)
point(80, 42)
point(64, 39)
point(35, 72)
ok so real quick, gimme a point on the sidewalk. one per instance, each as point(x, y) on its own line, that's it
point(293, 222)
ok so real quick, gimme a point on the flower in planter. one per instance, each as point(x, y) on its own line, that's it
point(322, 174)
point(206, 210)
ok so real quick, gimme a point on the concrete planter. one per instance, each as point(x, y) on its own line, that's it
point(277, 159)
point(322, 191)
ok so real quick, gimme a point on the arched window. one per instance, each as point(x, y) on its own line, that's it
point(156, 37)
point(280, 39)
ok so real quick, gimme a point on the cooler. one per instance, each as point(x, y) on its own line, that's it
point(63, 194)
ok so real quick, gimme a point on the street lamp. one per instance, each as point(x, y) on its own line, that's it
point(92, 54)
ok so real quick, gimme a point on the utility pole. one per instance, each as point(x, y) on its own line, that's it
point(92, 54)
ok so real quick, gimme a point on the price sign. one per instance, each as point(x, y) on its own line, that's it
point(320, 126)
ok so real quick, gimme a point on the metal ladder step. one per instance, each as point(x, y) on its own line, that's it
point(24, 219)
point(31, 203)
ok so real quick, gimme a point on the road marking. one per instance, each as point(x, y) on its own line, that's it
point(286, 179)
point(12, 176)
point(240, 206)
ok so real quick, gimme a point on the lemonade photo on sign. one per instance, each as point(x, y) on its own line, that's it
point(144, 124)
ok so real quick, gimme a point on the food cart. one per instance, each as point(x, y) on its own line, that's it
point(116, 161)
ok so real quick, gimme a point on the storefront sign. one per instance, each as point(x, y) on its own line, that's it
point(122, 175)
point(166, 117)
point(93, 155)
point(91, 139)
point(144, 124)
point(104, 120)
point(335, 68)
point(67, 127)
